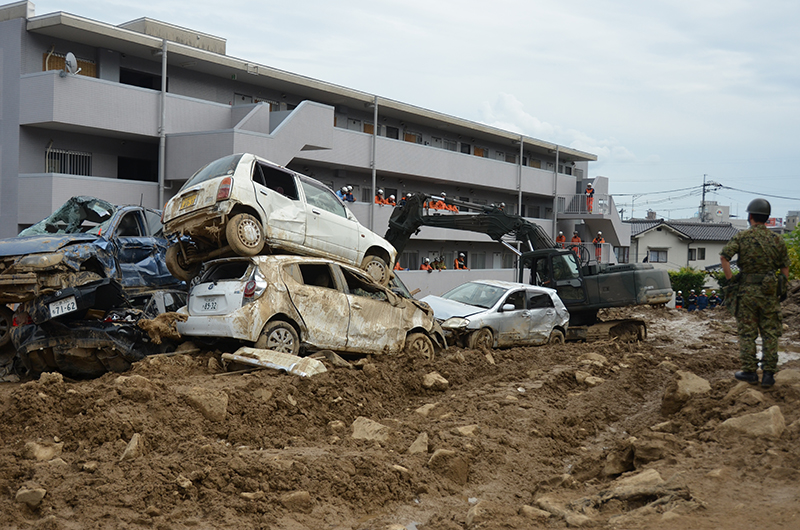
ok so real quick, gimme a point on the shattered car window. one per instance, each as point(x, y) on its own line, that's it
point(361, 287)
point(79, 215)
point(318, 275)
point(218, 168)
point(476, 294)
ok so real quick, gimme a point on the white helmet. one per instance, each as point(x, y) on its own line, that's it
point(599, 233)
point(427, 260)
point(349, 188)
point(560, 233)
point(444, 194)
point(461, 255)
point(408, 194)
point(344, 188)
point(680, 292)
point(391, 197)
point(380, 192)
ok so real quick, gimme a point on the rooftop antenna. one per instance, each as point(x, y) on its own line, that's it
point(70, 65)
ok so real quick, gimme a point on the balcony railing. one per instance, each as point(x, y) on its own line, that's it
point(583, 205)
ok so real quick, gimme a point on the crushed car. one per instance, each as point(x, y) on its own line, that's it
point(294, 303)
point(495, 314)
point(243, 205)
point(89, 330)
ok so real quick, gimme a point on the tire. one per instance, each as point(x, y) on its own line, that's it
point(279, 336)
point(377, 269)
point(419, 344)
point(556, 337)
point(244, 235)
point(6, 318)
point(177, 267)
point(483, 338)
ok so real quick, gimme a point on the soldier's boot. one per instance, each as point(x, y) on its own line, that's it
point(748, 377)
point(767, 379)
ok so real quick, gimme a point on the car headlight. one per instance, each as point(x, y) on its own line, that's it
point(455, 323)
point(41, 261)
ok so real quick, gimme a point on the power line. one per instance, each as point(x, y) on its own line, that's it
point(763, 194)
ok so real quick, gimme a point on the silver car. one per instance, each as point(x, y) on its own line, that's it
point(494, 314)
point(283, 303)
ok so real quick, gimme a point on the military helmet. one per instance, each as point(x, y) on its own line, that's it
point(759, 207)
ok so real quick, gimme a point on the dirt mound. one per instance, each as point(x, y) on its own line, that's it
point(550, 436)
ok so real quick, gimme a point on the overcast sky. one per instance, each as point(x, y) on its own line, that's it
point(663, 92)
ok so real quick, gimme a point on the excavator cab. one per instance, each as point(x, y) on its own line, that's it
point(557, 269)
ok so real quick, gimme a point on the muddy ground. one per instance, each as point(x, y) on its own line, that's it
point(549, 437)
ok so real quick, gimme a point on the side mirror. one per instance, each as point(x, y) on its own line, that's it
point(507, 307)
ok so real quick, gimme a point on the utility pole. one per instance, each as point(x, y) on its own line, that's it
point(703, 204)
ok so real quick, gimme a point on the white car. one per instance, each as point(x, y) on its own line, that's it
point(242, 205)
point(493, 314)
point(284, 302)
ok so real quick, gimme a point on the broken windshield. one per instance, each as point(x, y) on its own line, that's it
point(79, 215)
point(477, 294)
point(217, 168)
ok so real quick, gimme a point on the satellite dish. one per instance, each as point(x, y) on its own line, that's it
point(70, 65)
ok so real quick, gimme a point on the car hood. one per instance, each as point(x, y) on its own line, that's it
point(444, 308)
point(20, 246)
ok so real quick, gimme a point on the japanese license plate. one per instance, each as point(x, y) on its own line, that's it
point(189, 201)
point(210, 305)
point(62, 307)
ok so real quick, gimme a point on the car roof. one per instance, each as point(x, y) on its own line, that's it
point(286, 258)
point(514, 285)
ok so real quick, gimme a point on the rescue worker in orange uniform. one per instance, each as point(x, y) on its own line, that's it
point(379, 197)
point(426, 265)
point(390, 201)
point(460, 262)
point(589, 197)
point(576, 238)
point(598, 245)
point(561, 239)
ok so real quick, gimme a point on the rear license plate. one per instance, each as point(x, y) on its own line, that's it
point(189, 201)
point(210, 305)
point(62, 307)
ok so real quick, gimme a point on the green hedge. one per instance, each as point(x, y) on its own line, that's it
point(687, 279)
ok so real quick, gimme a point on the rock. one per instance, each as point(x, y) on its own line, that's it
point(769, 424)
point(646, 479)
point(466, 430)
point(425, 410)
point(787, 377)
point(404, 471)
point(580, 376)
point(32, 497)
point(134, 448)
point(298, 501)
point(681, 389)
point(334, 359)
point(435, 381)
point(336, 426)
point(578, 520)
point(212, 404)
point(534, 513)
point(551, 506)
point(489, 358)
point(646, 450)
point(252, 496)
point(750, 397)
point(667, 426)
point(135, 387)
point(668, 366)
point(370, 370)
point(619, 462)
point(479, 513)
point(42, 452)
point(366, 429)
point(420, 445)
point(593, 359)
point(594, 381)
point(50, 378)
point(450, 464)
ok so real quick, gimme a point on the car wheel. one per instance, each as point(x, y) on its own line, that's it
point(483, 338)
point(419, 344)
point(244, 235)
point(279, 336)
point(377, 269)
point(556, 337)
point(177, 266)
point(6, 317)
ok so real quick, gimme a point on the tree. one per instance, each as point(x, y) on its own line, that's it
point(687, 279)
point(793, 245)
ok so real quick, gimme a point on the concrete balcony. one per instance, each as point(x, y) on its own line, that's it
point(38, 195)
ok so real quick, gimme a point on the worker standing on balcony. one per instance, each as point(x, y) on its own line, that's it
point(379, 198)
point(598, 246)
point(576, 238)
point(390, 201)
point(342, 193)
point(561, 239)
point(349, 196)
point(426, 265)
point(460, 262)
point(589, 197)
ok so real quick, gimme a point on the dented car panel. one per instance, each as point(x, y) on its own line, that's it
point(333, 306)
point(85, 240)
point(515, 313)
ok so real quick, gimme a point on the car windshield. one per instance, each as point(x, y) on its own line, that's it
point(217, 168)
point(477, 294)
point(79, 215)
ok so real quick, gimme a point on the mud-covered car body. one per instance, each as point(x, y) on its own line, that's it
point(495, 313)
point(101, 336)
point(242, 205)
point(85, 240)
point(329, 305)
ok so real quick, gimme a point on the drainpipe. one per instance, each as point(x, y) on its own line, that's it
point(162, 133)
point(519, 178)
point(373, 162)
point(555, 196)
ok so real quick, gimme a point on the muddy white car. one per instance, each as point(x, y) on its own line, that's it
point(242, 205)
point(293, 303)
point(495, 314)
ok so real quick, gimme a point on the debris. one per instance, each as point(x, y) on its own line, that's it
point(293, 364)
point(32, 497)
point(420, 444)
point(366, 429)
point(450, 464)
point(298, 501)
point(212, 404)
point(435, 381)
point(769, 424)
point(162, 327)
point(681, 389)
point(42, 452)
point(133, 449)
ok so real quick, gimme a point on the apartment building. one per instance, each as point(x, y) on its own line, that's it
point(152, 102)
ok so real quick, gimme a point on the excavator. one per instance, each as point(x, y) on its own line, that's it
point(584, 285)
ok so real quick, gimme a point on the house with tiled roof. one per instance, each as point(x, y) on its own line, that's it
point(671, 245)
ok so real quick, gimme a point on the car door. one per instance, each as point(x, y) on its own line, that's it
point(276, 192)
point(321, 303)
point(329, 230)
point(512, 325)
point(378, 322)
point(138, 255)
point(542, 317)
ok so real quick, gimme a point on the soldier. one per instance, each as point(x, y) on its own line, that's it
point(761, 254)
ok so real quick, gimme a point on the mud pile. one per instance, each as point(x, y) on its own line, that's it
point(646, 435)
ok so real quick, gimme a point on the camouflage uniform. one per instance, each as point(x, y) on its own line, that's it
point(761, 254)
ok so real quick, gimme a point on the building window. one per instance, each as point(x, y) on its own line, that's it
point(622, 254)
point(409, 260)
point(478, 260)
point(68, 162)
point(466, 148)
point(697, 254)
point(353, 125)
point(392, 132)
point(451, 145)
point(481, 151)
point(535, 162)
point(140, 79)
point(414, 138)
point(370, 129)
point(657, 256)
point(436, 142)
point(137, 169)
point(56, 61)
point(511, 159)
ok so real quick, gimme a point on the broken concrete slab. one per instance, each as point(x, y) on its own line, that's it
point(435, 381)
point(769, 424)
point(293, 364)
point(681, 389)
